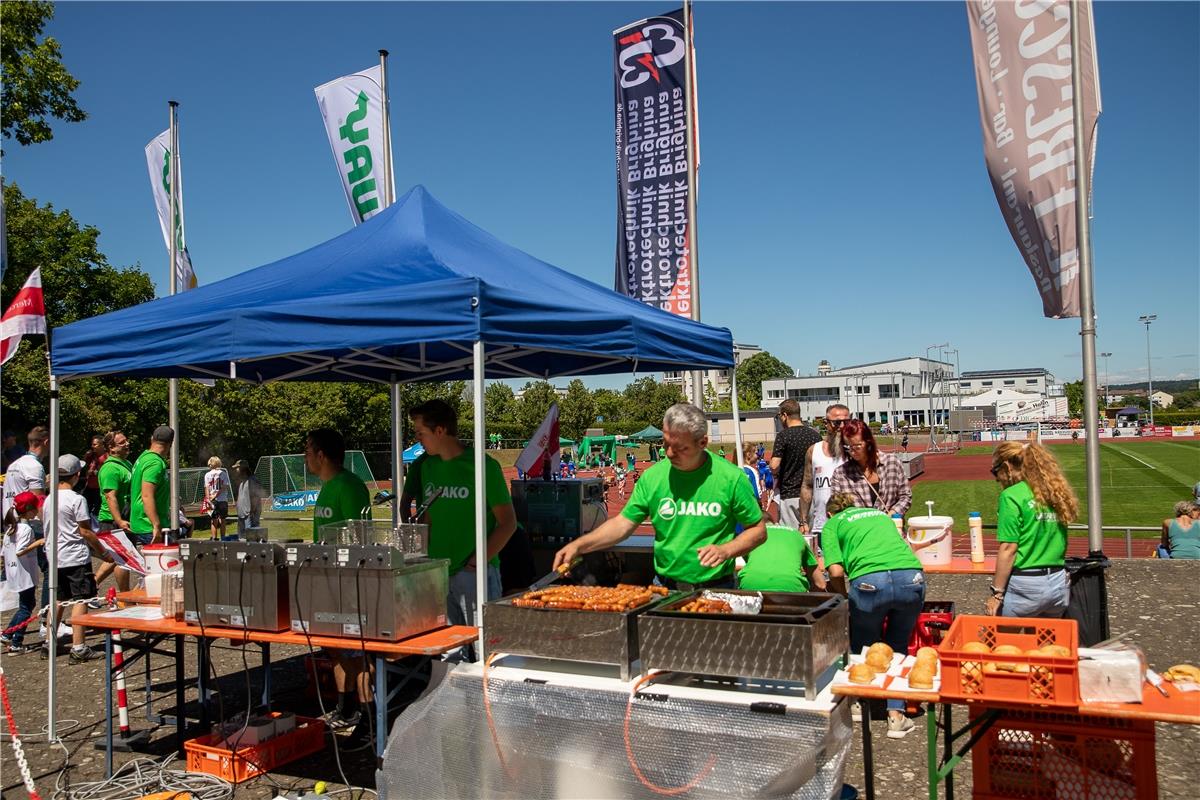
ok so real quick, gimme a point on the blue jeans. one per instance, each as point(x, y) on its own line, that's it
point(897, 597)
point(1037, 595)
point(461, 601)
point(44, 566)
point(25, 599)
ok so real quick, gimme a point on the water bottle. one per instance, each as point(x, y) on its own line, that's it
point(975, 525)
point(898, 521)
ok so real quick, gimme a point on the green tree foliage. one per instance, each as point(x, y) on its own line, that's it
point(1074, 393)
point(535, 402)
point(753, 371)
point(36, 86)
point(610, 410)
point(500, 406)
point(1135, 400)
point(646, 400)
point(577, 411)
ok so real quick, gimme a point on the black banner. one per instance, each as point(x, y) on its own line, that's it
point(653, 259)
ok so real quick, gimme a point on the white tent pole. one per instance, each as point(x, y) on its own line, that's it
point(481, 566)
point(737, 418)
point(50, 531)
point(397, 451)
point(173, 383)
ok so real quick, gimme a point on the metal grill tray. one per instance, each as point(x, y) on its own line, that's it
point(601, 637)
point(775, 646)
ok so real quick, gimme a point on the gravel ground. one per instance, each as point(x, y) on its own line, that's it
point(1157, 600)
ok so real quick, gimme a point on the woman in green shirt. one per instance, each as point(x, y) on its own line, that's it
point(1035, 507)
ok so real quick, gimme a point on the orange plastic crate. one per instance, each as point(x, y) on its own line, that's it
point(205, 754)
point(1041, 680)
point(1039, 755)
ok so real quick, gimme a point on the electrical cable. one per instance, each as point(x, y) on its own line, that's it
point(487, 710)
point(366, 661)
point(663, 790)
point(312, 655)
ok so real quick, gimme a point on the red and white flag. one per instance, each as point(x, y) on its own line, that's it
point(543, 443)
point(25, 315)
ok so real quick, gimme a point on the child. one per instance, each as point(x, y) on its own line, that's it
point(76, 544)
point(20, 565)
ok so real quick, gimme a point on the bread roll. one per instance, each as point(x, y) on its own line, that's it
point(1184, 673)
point(927, 653)
point(921, 676)
point(976, 647)
point(1056, 650)
point(879, 656)
point(861, 673)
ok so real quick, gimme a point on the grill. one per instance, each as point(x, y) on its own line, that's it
point(796, 637)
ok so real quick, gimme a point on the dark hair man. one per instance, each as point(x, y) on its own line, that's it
point(787, 461)
point(150, 490)
point(343, 494)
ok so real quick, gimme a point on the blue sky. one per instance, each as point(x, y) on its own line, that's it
point(845, 212)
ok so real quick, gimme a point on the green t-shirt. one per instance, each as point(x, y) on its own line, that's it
point(342, 497)
point(1041, 539)
point(150, 467)
point(115, 475)
point(452, 515)
point(690, 510)
point(864, 540)
point(779, 564)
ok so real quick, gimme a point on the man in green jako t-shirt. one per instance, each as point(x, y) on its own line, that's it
point(693, 500)
point(343, 495)
point(150, 490)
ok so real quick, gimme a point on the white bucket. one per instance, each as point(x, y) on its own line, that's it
point(932, 534)
point(161, 557)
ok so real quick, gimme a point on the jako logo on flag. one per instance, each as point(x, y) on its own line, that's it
point(26, 314)
point(650, 66)
point(544, 441)
point(158, 161)
point(352, 110)
point(1023, 73)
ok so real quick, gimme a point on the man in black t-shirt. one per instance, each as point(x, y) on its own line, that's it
point(787, 461)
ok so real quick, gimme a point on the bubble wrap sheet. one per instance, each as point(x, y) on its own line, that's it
point(564, 738)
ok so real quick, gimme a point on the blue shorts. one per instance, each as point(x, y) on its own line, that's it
point(140, 539)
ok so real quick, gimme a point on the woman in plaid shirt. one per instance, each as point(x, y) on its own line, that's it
point(875, 479)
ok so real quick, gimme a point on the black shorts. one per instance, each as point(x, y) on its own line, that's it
point(76, 583)
point(219, 510)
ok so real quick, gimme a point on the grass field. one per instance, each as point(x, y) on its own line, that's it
point(1139, 482)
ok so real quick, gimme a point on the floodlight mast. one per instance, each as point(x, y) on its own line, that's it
point(1147, 319)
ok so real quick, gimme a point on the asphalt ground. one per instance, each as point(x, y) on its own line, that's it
point(1155, 601)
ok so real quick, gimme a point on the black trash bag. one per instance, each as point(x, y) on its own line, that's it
point(1089, 597)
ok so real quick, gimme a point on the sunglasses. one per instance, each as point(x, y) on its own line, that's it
point(837, 423)
point(994, 471)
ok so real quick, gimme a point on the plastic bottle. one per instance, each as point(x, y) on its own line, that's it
point(975, 525)
point(899, 522)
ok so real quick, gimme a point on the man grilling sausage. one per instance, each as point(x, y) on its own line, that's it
point(694, 502)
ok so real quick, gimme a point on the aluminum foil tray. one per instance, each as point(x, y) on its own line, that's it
point(778, 644)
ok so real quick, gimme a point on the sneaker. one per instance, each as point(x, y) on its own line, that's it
point(65, 631)
point(88, 654)
point(336, 720)
point(20, 649)
point(898, 727)
point(96, 604)
point(4, 640)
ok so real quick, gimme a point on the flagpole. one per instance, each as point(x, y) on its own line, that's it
point(1087, 310)
point(173, 384)
point(50, 526)
point(389, 178)
point(693, 188)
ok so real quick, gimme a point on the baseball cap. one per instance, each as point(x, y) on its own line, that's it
point(26, 502)
point(164, 434)
point(69, 465)
point(242, 463)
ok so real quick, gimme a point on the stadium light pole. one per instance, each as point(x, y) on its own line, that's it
point(1107, 388)
point(1147, 319)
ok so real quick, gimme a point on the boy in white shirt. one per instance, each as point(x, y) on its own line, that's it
point(76, 544)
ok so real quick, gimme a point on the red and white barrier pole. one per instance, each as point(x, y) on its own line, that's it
point(122, 698)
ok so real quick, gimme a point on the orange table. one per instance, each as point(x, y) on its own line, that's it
point(1176, 707)
point(424, 646)
point(962, 565)
point(137, 597)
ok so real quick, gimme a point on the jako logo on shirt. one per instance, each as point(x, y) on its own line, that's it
point(451, 492)
point(668, 508)
point(323, 511)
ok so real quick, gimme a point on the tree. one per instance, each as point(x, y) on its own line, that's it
point(577, 411)
point(1135, 400)
point(752, 372)
point(1074, 393)
point(535, 402)
point(610, 408)
point(36, 85)
point(499, 405)
point(645, 402)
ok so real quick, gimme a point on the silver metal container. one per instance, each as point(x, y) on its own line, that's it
point(411, 539)
point(235, 585)
point(796, 637)
point(600, 637)
point(370, 591)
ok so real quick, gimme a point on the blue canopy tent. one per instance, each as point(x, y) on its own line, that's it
point(416, 293)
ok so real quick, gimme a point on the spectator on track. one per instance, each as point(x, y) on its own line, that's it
point(1181, 533)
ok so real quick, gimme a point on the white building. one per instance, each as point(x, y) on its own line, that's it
point(882, 391)
point(914, 390)
point(720, 379)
